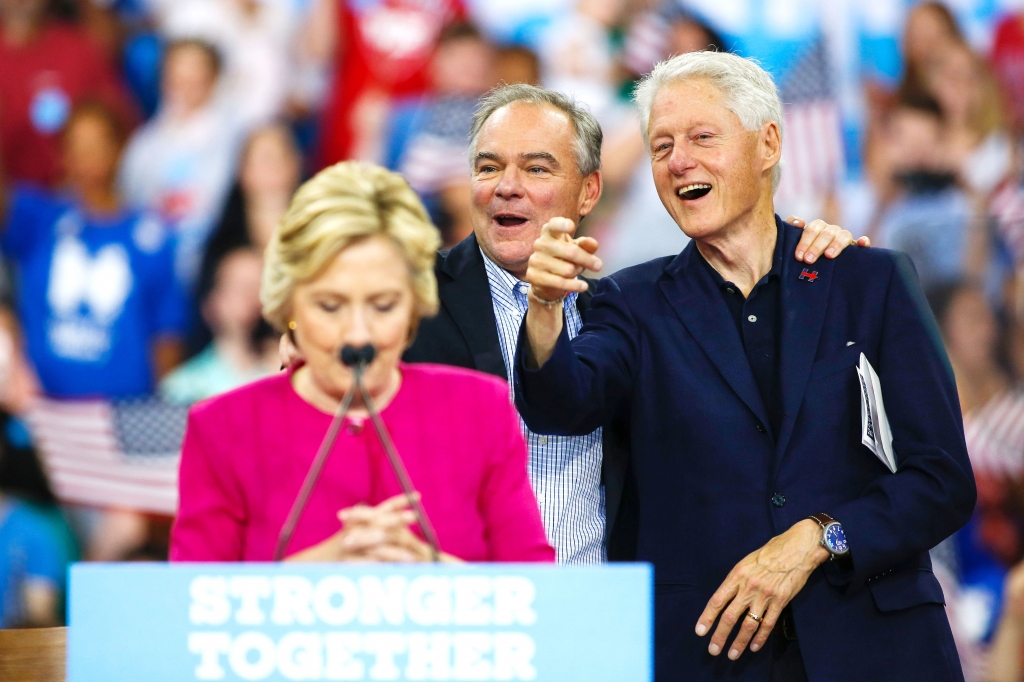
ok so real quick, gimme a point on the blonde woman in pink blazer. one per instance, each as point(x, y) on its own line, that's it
point(352, 263)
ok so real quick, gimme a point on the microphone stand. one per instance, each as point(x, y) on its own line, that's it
point(313, 475)
point(358, 359)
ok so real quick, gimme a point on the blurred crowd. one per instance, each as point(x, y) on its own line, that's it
point(148, 149)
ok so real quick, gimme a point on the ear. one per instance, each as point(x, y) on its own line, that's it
point(591, 192)
point(771, 145)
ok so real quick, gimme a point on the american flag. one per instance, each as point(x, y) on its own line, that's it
point(111, 454)
point(812, 144)
point(995, 436)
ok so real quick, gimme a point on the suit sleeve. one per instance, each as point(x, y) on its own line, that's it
point(582, 385)
point(211, 518)
point(932, 494)
point(515, 531)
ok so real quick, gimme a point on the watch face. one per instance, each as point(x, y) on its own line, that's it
point(835, 539)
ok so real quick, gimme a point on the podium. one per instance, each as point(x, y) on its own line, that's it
point(34, 655)
point(159, 622)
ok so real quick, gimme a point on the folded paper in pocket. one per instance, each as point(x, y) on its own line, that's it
point(875, 432)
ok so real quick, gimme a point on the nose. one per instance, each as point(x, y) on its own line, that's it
point(511, 184)
point(681, 160)
point(357, 332)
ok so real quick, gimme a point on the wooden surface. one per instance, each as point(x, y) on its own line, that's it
point(35, 655)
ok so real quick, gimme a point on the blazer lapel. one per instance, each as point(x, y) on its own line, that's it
point(467, 298)
point(804, 303)
point(694, 297)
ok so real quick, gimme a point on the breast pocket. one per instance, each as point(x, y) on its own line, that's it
point(847, 358)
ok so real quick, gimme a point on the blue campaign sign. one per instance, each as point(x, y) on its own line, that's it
point(159, 622)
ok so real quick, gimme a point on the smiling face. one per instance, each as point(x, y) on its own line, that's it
point(525, 174)
point(710, 172)
point(364, 295)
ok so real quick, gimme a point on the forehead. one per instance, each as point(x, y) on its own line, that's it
point(689, 102)
point(523, 127)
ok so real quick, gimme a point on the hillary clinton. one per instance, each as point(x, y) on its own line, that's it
point(352, 263)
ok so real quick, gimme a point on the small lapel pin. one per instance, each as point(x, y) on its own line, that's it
point(809, 275)
point(850, 343)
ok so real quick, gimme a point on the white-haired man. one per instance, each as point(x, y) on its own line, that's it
point(732, 372)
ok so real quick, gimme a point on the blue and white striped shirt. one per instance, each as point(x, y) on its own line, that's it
point(565, 470)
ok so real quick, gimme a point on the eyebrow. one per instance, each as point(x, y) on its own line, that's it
point(544, 156)
point(528, 156)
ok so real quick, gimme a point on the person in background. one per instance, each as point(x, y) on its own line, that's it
point(974, 133)
point(578, 57)
point(181, 163)
point(352, 264)
point(978, 557)
point(929, 215)
point(1006, 656)
point(95, 291)
point(32, 565)
point(432, 149)
point(930, 29)
point(372, 70)
point(48, 68)
point(242, 349)
point(1007, 59)
point(269, 172)
point(254, 38)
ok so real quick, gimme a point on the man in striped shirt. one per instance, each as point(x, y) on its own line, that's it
point(536, 155)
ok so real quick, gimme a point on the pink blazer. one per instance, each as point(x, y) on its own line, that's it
point(247, 452)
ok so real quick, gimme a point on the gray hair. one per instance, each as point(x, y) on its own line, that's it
point(588, 136)
point(748, 90)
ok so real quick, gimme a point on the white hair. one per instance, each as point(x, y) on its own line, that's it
point(748, 90)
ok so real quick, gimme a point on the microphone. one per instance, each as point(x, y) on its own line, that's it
point(358, 359)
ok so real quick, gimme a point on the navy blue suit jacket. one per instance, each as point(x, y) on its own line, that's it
point(660, 353)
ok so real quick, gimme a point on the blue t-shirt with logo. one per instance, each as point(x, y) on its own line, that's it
point(93, 292)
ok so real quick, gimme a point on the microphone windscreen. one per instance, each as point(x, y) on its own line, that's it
point(368, 353)
point(350, 355)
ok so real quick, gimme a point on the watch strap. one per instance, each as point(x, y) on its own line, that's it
point(823, 519)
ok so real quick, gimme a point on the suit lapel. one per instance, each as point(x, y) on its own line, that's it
point(467, 298)
point(804, 303)
point(694, 297)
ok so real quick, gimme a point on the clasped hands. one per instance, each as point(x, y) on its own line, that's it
point(379, 533)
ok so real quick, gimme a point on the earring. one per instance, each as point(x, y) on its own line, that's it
point(292, 325)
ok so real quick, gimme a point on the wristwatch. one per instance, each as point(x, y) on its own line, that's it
point(832, 536)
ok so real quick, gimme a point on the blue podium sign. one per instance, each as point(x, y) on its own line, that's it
point(158, 622)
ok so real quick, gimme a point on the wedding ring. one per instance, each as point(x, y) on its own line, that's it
point(756, 618)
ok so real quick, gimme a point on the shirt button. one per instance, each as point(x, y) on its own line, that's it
point(778, 499)
point(761, 429)
point(752, 318)
point(540, 498)
point(731, 290)
point(543, 440)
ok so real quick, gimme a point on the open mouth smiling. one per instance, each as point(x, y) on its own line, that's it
point(694, 191)
point(509, 219)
